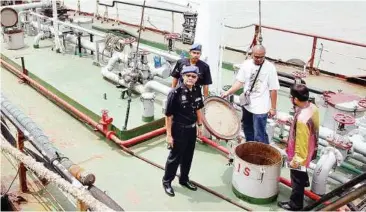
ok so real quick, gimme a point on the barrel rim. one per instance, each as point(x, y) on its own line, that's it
point(271, 165)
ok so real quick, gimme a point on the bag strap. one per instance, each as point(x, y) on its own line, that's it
point(255, 79)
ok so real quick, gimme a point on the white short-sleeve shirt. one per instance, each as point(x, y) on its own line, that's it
point(267, 80)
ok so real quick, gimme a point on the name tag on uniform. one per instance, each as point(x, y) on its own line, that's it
point(198, 99)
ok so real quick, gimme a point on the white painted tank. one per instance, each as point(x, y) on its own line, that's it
point(341, 103)
point(257, 168)
point(14, 39)
point(148, 106)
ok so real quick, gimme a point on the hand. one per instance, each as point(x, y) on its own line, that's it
point(169, 140)
point(294, 164)
point(225, 94)
point(272, 113)
point(199, 131)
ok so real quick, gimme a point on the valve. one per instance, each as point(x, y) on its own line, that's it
point(171, 37)
point(362, 103)
point(105, 121)
point(299, 74)
point(343, 120)
point(129, 40)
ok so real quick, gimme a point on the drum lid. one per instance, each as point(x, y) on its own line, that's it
point(9, 17)
point(220, 118)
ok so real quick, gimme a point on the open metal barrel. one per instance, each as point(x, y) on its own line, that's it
point(257, 168)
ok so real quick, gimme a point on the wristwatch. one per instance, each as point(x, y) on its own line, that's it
point(200, 125)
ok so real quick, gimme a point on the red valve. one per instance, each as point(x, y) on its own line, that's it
point(172, 36)
point(105, 120)
point(299, 74)
point(344, 119)
point(362, 103)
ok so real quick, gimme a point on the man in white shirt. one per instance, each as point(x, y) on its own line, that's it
point(259, 99)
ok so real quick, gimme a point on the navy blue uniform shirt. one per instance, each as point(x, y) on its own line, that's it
point(183, 103)
point(204, 73)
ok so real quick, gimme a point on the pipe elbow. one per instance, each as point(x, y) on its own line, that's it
point(321, 172)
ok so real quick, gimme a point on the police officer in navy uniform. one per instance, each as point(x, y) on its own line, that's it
point(204, 73)
point(183, 124)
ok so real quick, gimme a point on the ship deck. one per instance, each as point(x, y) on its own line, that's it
point(132, 183)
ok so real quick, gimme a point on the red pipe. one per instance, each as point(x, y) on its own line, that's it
point(85, 118)
point(214, 145)
point(140, 138)
point(284, 181)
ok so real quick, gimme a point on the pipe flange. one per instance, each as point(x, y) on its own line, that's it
point(172, 36)
point(299, 74)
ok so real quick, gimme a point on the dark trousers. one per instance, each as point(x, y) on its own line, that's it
point(254, 126)
point(299, 181)
point(184, 141)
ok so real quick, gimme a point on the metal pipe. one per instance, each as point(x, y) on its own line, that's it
point(139, 5)
point(109, 134)
point(133, 141)
point(39, 36)
point(322, 169)
point(162, 53)
point(19, 7)
point(41, 142)
point(65, 162)
point(349, 197)
point(337, 191)
point(158, 87)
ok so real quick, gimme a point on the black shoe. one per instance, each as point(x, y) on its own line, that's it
point(189, 185)
point(168, 189)
point(287, 206)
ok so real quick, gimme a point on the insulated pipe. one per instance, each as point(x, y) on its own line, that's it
point(41, 142)
point(19, 7)
point(156, 86)
point(312, 166)
point(163, 71)
point(108, 134)
point(322, 169)
point(39, 36)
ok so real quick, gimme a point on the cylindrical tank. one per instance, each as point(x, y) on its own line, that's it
point(148, 106)
point(341, 103)
point(257, 168)
point(14, 39)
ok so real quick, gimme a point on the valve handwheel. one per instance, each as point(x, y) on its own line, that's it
point(143, 52)
point(129, 40)
point(173, 36)
point(362, 103)
point(344, 119)
point(299, 74)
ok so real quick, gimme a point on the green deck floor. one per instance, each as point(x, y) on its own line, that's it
point(134, 184)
